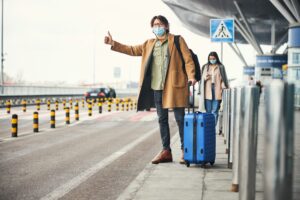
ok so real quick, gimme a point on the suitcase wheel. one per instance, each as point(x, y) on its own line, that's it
point(212, 163)
point(187, 163)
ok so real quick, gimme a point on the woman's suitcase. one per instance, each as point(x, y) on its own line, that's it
point(199, 141)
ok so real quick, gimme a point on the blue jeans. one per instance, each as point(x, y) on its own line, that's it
point(213, 105)
point(163, 119)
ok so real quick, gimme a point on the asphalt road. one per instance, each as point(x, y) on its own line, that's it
point(95, 158)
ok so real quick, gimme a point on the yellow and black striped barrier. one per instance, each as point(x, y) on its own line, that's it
point(67, 115)
point(14, 125)
point(8, 106)
point(127, 105)
point(24, 105)
point(100, 106)
point(109, 105)
point(52, 119)
point(71, 104)
point(82, 102)
point(56, 105)
point(90, 108)
point(48, 104)
point(76, 112)
point(122, 105)
point(117, 104)
point(38, 104)
point(64, 104)
point(35, 122)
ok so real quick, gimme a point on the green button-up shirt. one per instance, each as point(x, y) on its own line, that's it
point(159, 64)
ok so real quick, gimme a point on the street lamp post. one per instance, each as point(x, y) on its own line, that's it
point(2, 53)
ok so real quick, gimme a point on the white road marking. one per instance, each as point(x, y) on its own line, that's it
point(76, 181)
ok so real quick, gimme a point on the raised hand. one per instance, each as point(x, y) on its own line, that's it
point(108, 39)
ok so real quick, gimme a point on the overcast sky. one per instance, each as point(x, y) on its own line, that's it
point(62, 40)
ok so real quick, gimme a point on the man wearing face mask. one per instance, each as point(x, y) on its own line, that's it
point(213, 81)
point(163, 81)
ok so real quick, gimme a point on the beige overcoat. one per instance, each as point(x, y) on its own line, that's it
point(176, 84)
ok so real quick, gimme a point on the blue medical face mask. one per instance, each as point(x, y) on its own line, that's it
point(214, 61)
point(159, 31)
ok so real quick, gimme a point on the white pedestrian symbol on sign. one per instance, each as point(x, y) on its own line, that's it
point(222, 31)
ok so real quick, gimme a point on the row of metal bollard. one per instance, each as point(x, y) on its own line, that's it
point(124, 103)
point(14, 120)
point(240, 128)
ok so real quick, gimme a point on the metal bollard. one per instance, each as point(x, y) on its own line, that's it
point(38, 104)
point(8, 106)
point(232, 125)
point(52, 119)
point(14, 125)
point(56, 105)
point(35, 122)
point(76, 112)
point(279, 141)
point(248, 144)
point(67, 115)
point(226, 117)
point(90, 108)
point(48, 104)
point(237, 112)
point(24, 105)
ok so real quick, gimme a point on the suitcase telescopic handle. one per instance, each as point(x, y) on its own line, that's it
point(193, 97)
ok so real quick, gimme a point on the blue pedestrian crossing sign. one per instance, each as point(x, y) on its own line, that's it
point(222, 30)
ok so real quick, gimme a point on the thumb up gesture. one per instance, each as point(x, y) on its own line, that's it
point(108, 39)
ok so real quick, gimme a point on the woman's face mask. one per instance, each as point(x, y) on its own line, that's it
point(159, 31)
point(213, 61)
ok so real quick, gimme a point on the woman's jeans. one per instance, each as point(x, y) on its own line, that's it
point(163, 119)
point(213, 106)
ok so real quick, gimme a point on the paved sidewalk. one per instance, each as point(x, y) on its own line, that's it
point(172, 181)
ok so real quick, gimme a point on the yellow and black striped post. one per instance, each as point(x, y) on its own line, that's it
point(35, 122)
point(90, 108)
point(135, 105)
point(64, 104)
point(122, 105)
point(14, 125)
point(24, 105)
point(38, 104)
point(71, 104)
point(56, 105)
point(131, 105)
point(76, 112)
point(127, 105)
point(8, 106)
point(67, 115)
point(109, 105)
point(100, 106)
point(48, 104)
point(52, 119)
point(82, 102)
point(117, 104)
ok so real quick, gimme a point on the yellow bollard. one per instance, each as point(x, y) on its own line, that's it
point(35, 122)
point(71, 104)
point(127, 105)
point(117, 104)
point(64, 104)
point(67, 115)
point(90, 108)
point(24, 105)
point(131, 105)
point(135, 105)
point(52, 119)
point(56, 105)
point(100, 107)
point(48, 104)
point(8, 106)
point(38, 104)
point(14, 125)
point(109, 106)
point(76, 112)
point(82, 101)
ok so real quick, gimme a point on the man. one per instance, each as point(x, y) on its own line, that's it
point(163, 81)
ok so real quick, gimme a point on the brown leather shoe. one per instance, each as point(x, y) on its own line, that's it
point(163, 157)
point(181, 160)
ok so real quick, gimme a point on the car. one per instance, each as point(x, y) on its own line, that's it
point(103, 92)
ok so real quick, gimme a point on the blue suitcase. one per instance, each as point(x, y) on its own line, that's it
point(199, 141)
